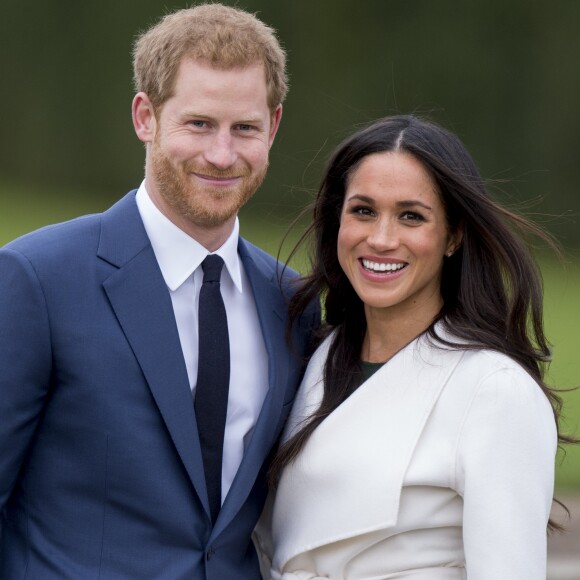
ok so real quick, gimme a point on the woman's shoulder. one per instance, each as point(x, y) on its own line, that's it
point(494, 388)
point(478, 361)
point(487, 377)
point(310, 391)
point(487, 362)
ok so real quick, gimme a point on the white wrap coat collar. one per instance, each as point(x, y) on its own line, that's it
point(374, 420)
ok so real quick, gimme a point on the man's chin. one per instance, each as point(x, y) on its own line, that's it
point(213, 219)
point(211, 222)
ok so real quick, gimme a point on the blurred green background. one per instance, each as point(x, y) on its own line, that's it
point(504, 76)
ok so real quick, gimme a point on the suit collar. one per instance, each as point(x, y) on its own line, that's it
point(122, 233)
point(177, 253)
point(361, 450)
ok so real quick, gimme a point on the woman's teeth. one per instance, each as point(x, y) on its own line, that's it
point(381, 266)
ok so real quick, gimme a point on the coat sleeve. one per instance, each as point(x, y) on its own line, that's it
point(25, 362)
point(505, 472)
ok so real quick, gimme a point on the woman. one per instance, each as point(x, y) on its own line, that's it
point(422, 441)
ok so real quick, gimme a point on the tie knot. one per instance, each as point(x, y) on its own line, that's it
point(212, 268)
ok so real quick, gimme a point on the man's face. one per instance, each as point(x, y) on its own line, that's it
point(208, 152)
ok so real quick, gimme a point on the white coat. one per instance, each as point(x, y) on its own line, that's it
point(439, 467)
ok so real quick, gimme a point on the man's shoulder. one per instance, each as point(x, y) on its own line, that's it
point(70, 236)
point(47, 238)
point(265, 261)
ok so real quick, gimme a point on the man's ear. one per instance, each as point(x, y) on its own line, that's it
point(144, 120)
point(276, 116)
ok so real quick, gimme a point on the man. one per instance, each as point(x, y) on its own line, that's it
point(108, 372)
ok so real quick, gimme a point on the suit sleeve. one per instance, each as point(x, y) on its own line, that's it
point(25, 363)
point(506, 467)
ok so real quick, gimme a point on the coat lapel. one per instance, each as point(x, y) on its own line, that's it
point(140, 299)
point(362, 450)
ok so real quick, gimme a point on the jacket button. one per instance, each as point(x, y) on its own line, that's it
point(209, 553)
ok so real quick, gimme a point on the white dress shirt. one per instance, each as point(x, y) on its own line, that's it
point(180, 257)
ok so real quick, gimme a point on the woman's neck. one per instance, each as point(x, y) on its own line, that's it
point(388, 332)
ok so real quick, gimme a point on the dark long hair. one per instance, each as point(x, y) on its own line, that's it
point(491, 286)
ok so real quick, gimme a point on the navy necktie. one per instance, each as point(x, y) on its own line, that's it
point(213, 377)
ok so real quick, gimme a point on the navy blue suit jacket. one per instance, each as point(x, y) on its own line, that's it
point(100, 465)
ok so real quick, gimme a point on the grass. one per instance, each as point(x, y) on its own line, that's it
point(23, 211)
point(562, 320)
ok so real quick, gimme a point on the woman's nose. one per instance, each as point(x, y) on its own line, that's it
point(383, 236)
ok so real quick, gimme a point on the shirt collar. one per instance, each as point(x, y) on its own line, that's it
point(177, 253)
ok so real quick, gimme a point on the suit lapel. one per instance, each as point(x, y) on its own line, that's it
point(362, 450)
point(272, 315)
point(140, 299)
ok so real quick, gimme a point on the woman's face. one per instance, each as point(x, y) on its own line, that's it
point(393, 236)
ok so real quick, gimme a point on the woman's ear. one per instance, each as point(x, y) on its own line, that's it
point(455, 241)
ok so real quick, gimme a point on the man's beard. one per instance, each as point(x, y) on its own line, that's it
point(196, 202)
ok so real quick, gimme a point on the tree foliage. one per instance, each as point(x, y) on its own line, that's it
point(503, 75)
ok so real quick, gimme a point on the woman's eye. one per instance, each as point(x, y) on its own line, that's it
point(412, 216)
point(362, 211)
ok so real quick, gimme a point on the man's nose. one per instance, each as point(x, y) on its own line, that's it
point(220, 152)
